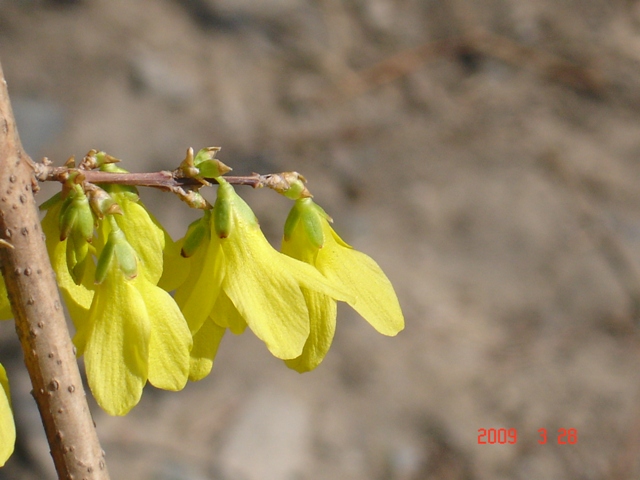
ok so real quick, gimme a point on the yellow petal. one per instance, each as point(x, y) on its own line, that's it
point(170, 339)
point(265, 292)
point(205, 346)
point(175, 268)
point(143, 234)
point(376, 300)
point(7, 425)
point(225, 314)
point(117, 348)
point(197, 295)
point(322, 317)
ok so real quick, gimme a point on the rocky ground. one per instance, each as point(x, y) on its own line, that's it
point(485, 152)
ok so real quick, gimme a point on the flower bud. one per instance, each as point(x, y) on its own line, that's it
point(75, 216)
point(207, 165)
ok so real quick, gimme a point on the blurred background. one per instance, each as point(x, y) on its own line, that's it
point(484, 152)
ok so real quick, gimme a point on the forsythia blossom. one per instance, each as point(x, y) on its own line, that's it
point(243, 279)
point(309, 237)
point(128, 328)
point(7, 426)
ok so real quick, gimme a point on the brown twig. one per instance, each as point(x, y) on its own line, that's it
point(163, 179)
point(39, 318)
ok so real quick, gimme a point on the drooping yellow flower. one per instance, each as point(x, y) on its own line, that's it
point(310, 238)
point(7, 425)
point(240, 279)
point(135, 331)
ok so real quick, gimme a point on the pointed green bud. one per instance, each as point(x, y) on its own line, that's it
point(197, 232)
point(209, 166)
point(103, 158)
point(75, 216)
point(187, 167)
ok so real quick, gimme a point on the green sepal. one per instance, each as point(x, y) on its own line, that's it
point(197, 232)
point(118, 248)
point(124, 253)
point(222, 211)
point(208, 166)
point(77, 254)
point(104, 261)
point(67, 218)
point(310, 214)
point(292, 221)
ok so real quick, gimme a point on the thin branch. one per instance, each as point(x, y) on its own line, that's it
point(39, 318)
point(164, 179)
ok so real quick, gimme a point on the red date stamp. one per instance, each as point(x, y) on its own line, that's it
point(509, 436)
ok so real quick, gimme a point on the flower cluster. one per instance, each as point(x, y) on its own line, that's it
point(115, 265)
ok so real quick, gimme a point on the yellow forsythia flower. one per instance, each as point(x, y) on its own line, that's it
point(241, 278)
point(310, 238)
point(135, 331)
point(128, 328)
point(7, 426)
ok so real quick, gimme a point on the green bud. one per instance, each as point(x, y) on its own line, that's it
point(207, 165)
point(75, 216)
point(213, 168)
point(103, 158)
point(197, 232)
point(187, 167)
